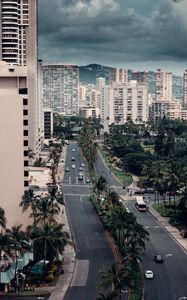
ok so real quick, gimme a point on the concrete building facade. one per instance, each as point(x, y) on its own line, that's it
point(185, 90)
point(18, 33)
point(14, 158)
point(61, 88)
point(163, 86)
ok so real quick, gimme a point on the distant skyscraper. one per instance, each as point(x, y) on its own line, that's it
point(163, 86)
point(118, 75)
point(61, 88)
point(140, 76)
point(185, 89)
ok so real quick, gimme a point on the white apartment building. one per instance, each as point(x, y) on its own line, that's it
point(61, 88)
point(130, 102)
point(163, 86)
point(185, 90)
point(171, 110)
point(14, 131)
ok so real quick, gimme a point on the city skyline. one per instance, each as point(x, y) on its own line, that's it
point(143, 36)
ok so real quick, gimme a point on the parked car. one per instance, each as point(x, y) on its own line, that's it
point(149, 274)
point(88, 180)
point(158, 258)
point(149, 191)
point(80, 168)
point(67, 169)
point(73, 158)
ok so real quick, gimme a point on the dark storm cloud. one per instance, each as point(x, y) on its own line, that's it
point(107, 30)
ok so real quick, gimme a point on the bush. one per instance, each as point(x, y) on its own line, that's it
point(50, 277)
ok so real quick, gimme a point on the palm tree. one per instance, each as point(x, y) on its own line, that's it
point(2, 218)
point(29, 200)
point(45, 211)
point(19, 242)
point(5, 245)
point(49, 241)
point(101, 184)
point(114, 278)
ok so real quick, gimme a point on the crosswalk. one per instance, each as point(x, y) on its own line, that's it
point(79, 195)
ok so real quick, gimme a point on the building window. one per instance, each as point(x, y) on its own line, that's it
point(26, 183)
point(25, 132)
point(26, 173)
point(25, 101)
point(25, 143)
point(23, 91)
point(26, 153)
point(26, 163)
point(25, 122)
point(25, 112)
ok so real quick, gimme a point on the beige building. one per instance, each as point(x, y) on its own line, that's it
point(14, 130)
point(18, 33)
point(118, 75)
point(20, 110)
point(185, 90)
point(171, 110)
point(163, 86)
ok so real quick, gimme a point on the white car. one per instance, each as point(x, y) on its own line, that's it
point(73, 150)
point(149, 274)
point(83, 165)
point(73, 166)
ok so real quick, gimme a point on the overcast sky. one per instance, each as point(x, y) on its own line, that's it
point(137, 34)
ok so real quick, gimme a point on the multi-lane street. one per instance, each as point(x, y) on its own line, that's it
point(170, 278)
point(92, 248)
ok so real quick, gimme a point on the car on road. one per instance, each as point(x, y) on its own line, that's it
point(149, 191)
point(80, 168)
point(73, 166)
point(158, 258)
point(80, 176)
point(148, 274)
point(73, 150)
point(73, 158)
point(139, 192)
point(88, 180)
point(83, 165)
point(67, 169)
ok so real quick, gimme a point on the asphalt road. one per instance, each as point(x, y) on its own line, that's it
point(92, 248)
point(170, 278)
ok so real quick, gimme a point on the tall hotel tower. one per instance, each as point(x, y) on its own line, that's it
point(185, 90)
point(19, 128)
point(163, 86)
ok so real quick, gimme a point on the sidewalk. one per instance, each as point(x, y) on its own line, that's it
point(69, 255)
point(174, 232)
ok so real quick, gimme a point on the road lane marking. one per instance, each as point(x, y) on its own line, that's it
point(81, 273)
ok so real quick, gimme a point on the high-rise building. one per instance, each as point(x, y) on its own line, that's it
point(14, 154)
point(18, 34)
point(19, 100)
point(185, 89)
point(61, 88)
point(140, 76)
point(130, 102)
point(118, 75)
point(163, 86)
